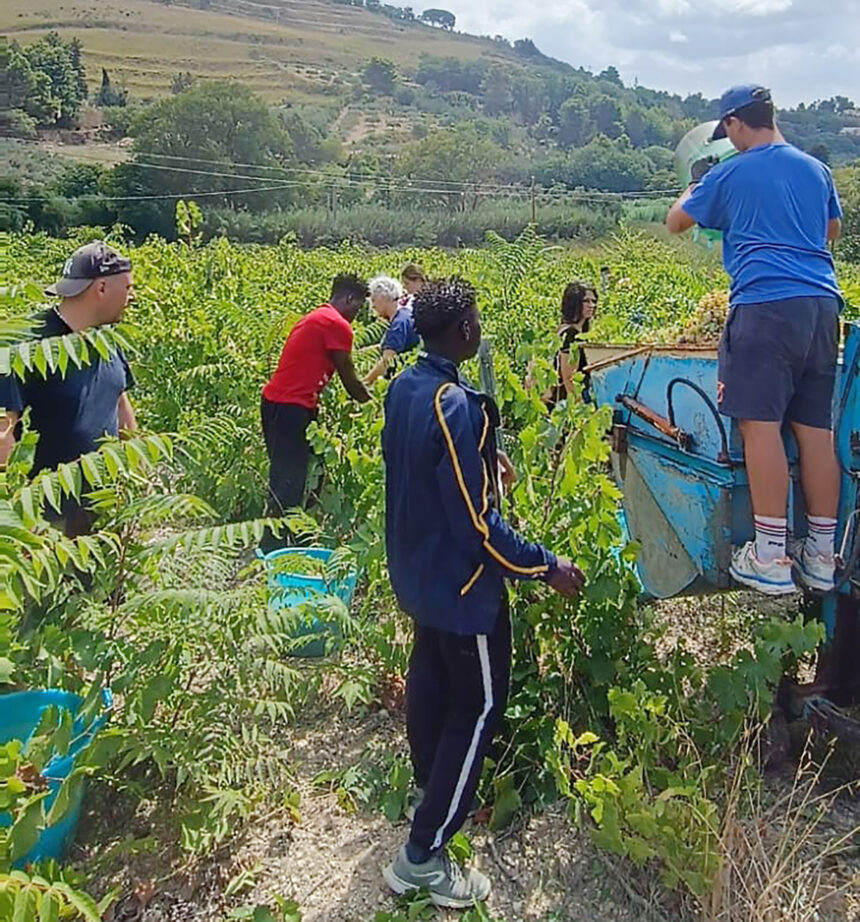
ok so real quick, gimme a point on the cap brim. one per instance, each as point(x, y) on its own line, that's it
point(68, 288)
point(719, 131)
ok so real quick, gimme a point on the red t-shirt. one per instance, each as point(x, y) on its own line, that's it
point(305, 365)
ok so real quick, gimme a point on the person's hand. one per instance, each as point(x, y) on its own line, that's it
point(700, 167)
point(7, 442)
point(566, 578)
point(507, 473)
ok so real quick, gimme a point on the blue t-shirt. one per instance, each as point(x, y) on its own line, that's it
point(400, 335)
point(772, 204)
point(70, 413)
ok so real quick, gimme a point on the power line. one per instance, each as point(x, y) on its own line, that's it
point(147, 198)
point(411, 184)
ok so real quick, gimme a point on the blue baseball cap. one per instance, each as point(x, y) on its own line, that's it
point(735, 98)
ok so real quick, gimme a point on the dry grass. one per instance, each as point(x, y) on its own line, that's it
point(785, 853)
point(283, 47)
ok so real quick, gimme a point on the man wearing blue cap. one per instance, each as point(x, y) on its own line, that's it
point(777, 209)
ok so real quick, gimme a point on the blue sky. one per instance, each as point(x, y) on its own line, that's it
point(801, 49)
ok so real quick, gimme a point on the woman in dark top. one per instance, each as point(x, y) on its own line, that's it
point(578, 304)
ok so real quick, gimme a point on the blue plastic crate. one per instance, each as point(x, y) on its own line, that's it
point(20, 713)
point(292, 590)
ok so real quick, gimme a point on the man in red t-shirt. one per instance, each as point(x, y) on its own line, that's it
point(317, 346)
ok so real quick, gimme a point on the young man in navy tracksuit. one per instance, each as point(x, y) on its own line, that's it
point(449, 552)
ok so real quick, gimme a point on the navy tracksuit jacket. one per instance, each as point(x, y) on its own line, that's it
point(448, 553)
point(448, 548)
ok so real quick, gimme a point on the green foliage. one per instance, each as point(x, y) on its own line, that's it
point(439, 18)
point(109, 95)
point(380, 76)
point(45, 79)
point(380, 780)
point(279, 910)
point(164, 604)
point(848, 245)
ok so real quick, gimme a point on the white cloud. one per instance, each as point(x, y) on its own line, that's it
point(797, 47)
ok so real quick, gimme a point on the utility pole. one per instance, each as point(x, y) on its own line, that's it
point(534, 205)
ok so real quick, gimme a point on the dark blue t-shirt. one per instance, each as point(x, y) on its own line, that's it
point(773, 204)
point(400, 335)
point(70, 413)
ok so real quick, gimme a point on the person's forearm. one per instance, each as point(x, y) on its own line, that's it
point(357, 391)
point(376, 372)
point(678, 220)
point(7, 436)
point(125, 414)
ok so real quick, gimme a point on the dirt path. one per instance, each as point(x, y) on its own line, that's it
point(330, 863)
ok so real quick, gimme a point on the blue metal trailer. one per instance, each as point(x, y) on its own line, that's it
point(679, 464)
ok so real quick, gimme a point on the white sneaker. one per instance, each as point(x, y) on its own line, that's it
point(815, 571)
point(772, 577)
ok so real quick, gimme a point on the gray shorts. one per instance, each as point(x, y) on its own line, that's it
point(777, 361)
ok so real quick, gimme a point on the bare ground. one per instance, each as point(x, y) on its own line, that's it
point(330, 862)
point(543, 868)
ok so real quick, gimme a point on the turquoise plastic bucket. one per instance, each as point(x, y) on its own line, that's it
point(20, 713)
point(292, 590)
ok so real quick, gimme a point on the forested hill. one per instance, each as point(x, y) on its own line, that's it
point(313, 52)
point(333, 121)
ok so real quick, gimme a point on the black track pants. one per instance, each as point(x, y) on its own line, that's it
point(456, 692)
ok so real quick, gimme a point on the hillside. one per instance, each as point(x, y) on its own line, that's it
point(294, 48)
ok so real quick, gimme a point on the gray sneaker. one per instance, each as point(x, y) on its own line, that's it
point(449, 885)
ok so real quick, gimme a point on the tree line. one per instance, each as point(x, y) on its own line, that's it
point(495, 132)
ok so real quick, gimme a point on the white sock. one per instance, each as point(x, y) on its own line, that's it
point(770, 535)
point(820, 535)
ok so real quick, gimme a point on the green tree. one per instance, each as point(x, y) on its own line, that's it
point(24, 89)
point(576, 127)
point(75, 52)
point(530, 100)
point(208, 139)
point(498, 90)
point(439, 18)
point(609, 165)
point(108, 95)
point(224, 122)
point(848, 185)
point(611, 75)
point(380, 76)
point(606, 114)
point(60, 62)
point(460, 155)
point(79, 179)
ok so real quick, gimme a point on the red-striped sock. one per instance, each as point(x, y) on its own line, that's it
point(820, 535)
point(770, 533)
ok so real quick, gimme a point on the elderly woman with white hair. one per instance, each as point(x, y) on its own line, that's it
point(387, 301)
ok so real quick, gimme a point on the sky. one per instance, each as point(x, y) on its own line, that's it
point(802, 49)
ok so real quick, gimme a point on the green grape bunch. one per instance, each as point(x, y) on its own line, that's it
point(706, 323)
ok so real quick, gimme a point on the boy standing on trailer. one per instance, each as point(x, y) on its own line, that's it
point(449, 552)
point(319, 345)
point(777, 208)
